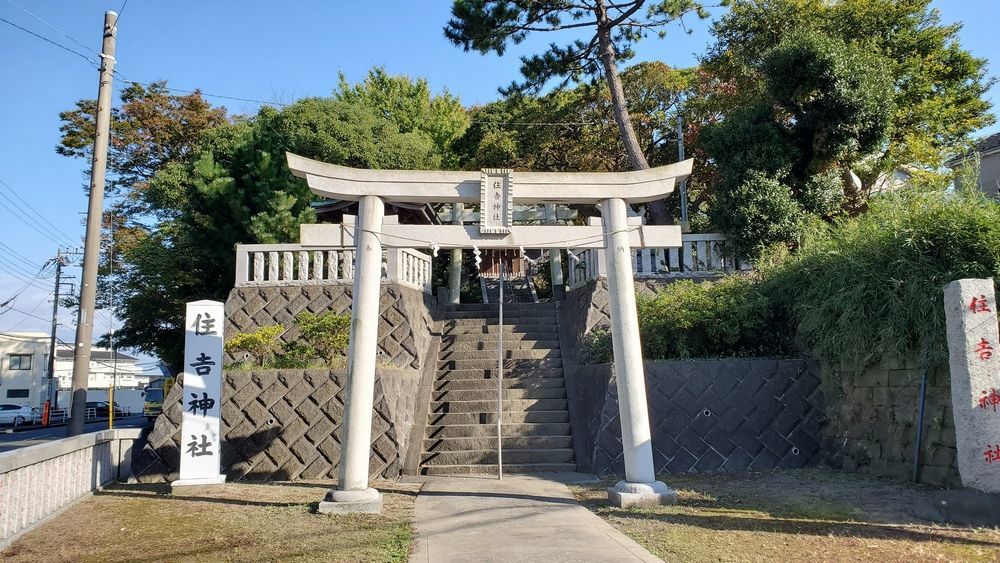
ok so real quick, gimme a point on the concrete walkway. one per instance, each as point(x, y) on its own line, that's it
point(521, 518)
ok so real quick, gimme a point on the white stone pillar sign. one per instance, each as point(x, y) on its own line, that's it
point(973, 347)
point(201, 435)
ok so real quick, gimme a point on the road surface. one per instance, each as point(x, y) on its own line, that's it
point(10, 440)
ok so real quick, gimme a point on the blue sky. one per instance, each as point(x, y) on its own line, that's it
point(249, 49)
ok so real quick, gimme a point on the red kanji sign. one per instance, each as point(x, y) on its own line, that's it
point(992, 453)
point(991, 399)
point(980, 305)
point(984, 350)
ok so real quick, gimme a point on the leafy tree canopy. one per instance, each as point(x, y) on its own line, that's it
point(938, 87)
point(231, 185)
point(823, 105)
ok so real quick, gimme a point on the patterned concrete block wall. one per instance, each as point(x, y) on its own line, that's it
point(873, 416)
point(710, 415)
point(284, 425)
point(404, 326)
point(705, 415)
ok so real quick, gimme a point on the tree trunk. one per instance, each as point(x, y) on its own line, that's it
point(658, 214)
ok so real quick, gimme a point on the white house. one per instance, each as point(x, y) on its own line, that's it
point(989, 164)
point(24, 358)
point(107, 368)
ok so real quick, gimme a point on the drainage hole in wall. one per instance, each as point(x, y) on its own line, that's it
point(706, 412)
point(795, 451)
point(270, 421)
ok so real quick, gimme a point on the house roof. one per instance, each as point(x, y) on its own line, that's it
point(985, 146)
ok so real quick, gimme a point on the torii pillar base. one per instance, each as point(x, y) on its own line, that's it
point(368, 501)
point(627, 495)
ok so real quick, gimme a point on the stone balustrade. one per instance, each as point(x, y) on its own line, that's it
point(38, 481)
point(700, 255)
point(294, 264)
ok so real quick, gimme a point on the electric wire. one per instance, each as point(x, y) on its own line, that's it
point(35, 308)
point(15, 254)
point(47, 40)
point(52, 227)
point(37, 227)
point(68, 36)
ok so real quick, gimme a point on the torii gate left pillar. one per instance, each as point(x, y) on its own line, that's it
point(353, 493)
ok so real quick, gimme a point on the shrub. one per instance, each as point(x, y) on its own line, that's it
point(597, 347)
point(872, 286)
point(260, 344)
point(730, 317)
point(326, 336)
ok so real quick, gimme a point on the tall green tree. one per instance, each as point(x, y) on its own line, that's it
point(823, 106)
point(235, 187)
point(938, 87)
point(602, 34)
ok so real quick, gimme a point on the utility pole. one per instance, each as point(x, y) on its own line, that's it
point(92, 243)
point(53, 392)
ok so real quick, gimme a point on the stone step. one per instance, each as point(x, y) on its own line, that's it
point(473, 344)
point(508, 394)
point(508, 383)
point(488, 430)
point(492, 354)
point(433, 445)
point(507, 321)
point(492, 364)
point(506, 306)
point(509, 417)
point(494, 336)
point(514, 373)
point(514, 469)
point(488, 406)
point(508, 313)
point(515, 456)
point(532, 331)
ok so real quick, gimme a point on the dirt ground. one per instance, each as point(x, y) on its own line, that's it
point(245, 522)
point(808, 515)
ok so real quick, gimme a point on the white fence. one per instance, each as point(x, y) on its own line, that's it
point(293, 264)
point(39, 481)
point(701, 255)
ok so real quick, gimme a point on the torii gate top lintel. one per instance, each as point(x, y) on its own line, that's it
point(422, 186)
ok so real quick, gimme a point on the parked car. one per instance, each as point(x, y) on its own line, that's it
point(15, 414)
point(101, 409)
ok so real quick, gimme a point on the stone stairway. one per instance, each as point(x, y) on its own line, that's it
point(461, 435)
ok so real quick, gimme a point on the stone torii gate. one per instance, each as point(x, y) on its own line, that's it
point(495, 191)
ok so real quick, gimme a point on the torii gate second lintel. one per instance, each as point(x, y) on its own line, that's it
point(612, 190)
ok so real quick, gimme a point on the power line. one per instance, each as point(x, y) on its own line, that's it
point(21, 278)
point(122, 78)
point(37, 227)
point(55, 229)
point(35, 308)
point(120, 11)
point(68, 36)
point(63, 47)
point(15, 254)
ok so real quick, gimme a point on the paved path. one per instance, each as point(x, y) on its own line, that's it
point(521, 518)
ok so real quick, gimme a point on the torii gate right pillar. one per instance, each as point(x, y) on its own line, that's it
point(640, 487)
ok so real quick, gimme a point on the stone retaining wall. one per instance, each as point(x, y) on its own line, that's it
point(706, 415)
point(284, 425)
point(873, 422)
